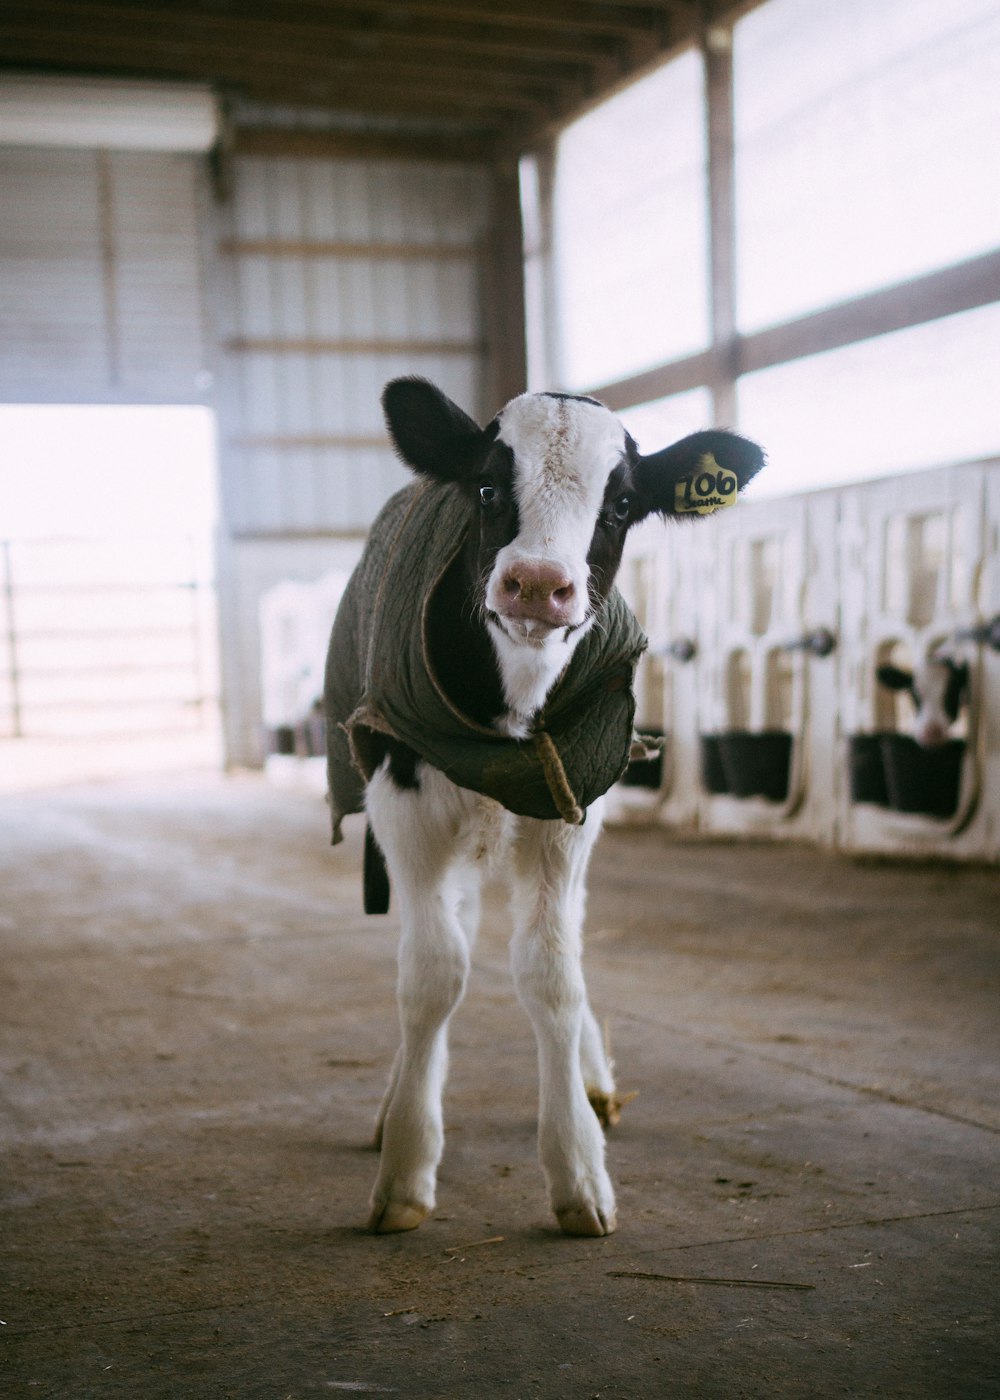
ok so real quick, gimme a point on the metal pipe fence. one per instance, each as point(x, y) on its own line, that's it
point(106, 637)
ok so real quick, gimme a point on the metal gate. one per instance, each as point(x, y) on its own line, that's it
point(106, 638)
point(767, 625)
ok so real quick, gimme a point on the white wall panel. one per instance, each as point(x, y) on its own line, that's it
point(100, 277)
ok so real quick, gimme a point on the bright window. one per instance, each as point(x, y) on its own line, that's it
point(107, 609)
point(630, 229)
point(663, 421)
point(918, 398)
point(92, 469)
point(866, 147)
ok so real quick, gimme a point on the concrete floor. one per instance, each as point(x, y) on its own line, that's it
point(197, 1026)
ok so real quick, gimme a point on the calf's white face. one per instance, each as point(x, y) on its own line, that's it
point(553, 484)
point(563, 451)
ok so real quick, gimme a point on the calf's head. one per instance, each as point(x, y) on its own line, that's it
point(554, 483)
point(938, 686)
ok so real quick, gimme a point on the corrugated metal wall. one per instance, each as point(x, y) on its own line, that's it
point(335, 275)
point(101, 277)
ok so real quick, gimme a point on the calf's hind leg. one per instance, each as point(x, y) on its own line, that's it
point(417, 827)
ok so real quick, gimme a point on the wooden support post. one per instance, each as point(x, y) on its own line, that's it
point(717, 48)
point(503, 293)
point(549, 351)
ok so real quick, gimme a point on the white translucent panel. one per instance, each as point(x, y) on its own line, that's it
point(662, 421)
point(917, 398)
point(630, 229)
point(866, 147)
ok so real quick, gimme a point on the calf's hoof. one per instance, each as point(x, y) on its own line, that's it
point(585, 1220)
point(390, 1217)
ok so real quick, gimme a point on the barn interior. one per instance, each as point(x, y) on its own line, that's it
point(224, 225)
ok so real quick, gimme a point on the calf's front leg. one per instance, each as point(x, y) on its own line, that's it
point(550, 865)
point(416, 829)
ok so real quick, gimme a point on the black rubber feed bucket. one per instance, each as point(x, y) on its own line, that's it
point(922, 780)
point(747, 765)
point(757, 765)
point(864, 755)
point(713, 778)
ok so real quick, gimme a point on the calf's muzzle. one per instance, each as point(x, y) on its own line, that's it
point(537, 592)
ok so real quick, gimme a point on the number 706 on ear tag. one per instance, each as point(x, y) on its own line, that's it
point(709, 488)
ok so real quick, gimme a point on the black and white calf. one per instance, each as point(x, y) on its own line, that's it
point(537, 506)
point(938, 686)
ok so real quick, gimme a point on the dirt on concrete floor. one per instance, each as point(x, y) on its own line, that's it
point(197, 1025)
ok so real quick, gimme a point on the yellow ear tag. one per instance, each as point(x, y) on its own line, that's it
point(709, 488)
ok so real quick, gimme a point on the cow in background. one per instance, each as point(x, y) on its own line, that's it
point(938, 686)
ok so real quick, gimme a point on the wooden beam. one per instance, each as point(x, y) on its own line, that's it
point(292, 248)
point(309, 345)
point(376, 82)
point(527, 135)
point(574, 16)
point(363, 145)
point(479, 115)
point(693, 372)
point(598, 17)
point(293, 85)
point(282, 441)
point(280, 536)
point(327, 33)
point(963, 287)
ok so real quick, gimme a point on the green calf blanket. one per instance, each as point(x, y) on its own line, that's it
point(380, 680)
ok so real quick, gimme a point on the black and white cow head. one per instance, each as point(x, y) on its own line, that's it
point(938, 686)
point(555, 482)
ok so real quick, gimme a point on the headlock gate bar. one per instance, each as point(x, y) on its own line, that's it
point(767, 626)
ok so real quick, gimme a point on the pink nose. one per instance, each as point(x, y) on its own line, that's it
point(538, 592)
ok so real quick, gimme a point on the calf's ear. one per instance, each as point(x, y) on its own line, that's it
point(430, 433)
point(894, 677)
point(663, 477)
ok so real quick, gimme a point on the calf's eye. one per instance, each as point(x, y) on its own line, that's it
point(621, 508)
point(487, 492)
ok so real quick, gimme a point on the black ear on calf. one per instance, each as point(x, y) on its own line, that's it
point(667, 479)
point(430, 433)
point(894, 677)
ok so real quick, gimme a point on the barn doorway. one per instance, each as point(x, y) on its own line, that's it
point(108, 633)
